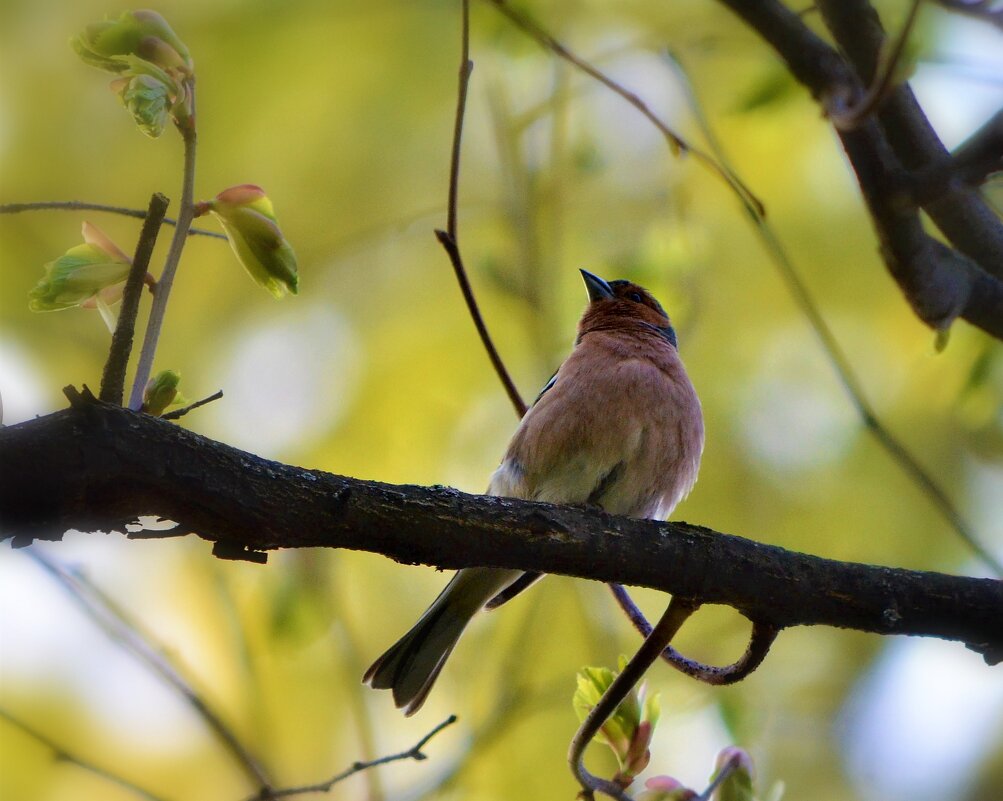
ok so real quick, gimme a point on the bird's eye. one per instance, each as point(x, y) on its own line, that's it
point(636, 297)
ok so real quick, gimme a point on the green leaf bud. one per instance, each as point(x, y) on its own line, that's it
point(247, 217)
point(161, 391)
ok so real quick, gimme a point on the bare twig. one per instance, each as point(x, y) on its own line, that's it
point(81, 205)
point(848, 118)
point(676, 143)
point(448, 238)
point(191, 406)
point(466, 67)
point(186, 213)
point(64, 755)
point(763, 635)
point(414, 752)
point(676, 613)
point(113, 378)
point(111, 619)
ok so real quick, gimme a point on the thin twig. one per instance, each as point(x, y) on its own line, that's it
point(191, 406)
point(64, 755)
point(763, 635)
point(448, 238)
point(111, 619)
point(81, 205)
point(186, 213)
point(837, 358)
point(848, 118)
point(676, 143)
point(113, 378)
point(466, 67)
point(468, 295)
point(676, 613)
point(414, 752)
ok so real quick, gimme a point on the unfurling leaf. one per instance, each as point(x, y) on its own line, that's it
point(145, 34)
point(248, 219)
point(629, 729)
point(153, 65)
point(88, 275)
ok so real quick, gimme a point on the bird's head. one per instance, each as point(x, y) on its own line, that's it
point(622, 304)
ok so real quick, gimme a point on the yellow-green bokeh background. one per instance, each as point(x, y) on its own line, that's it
point(343, 111)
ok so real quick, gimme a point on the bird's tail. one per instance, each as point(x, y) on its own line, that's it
point(411, 665)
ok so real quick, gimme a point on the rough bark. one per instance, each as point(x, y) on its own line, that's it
point(97, 467)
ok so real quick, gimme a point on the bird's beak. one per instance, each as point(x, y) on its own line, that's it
point(596, 287)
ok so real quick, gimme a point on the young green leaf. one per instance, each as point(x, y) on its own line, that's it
point(247, 217)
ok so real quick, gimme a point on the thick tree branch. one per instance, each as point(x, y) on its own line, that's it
point(96, 466)
point(959, 210)
point(939, 282)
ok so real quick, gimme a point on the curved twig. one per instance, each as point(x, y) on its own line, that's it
point(762, 637)
point(676, 613)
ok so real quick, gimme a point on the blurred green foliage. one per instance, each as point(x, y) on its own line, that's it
point(343, 112)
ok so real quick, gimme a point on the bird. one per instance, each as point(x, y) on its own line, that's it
point(619, 426)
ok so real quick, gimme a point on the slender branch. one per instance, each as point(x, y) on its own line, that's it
point(763, 636)
point(676, 613)
point(114, 621)
point(466, 68)
point(449, 238)
point(848, 118)
point(80, 205)
point(186, 213)
point(177, 413)
point(676, 143)
point(414, 752)
point(838, 359)
point(65, 755)
point(453, 251)
point(899, 453)
point(113, 378)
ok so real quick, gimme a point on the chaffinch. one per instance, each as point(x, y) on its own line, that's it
point(618, 426)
